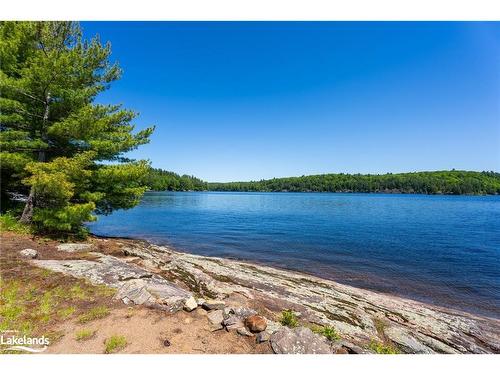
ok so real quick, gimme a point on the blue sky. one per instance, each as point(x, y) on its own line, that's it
point(250, 100)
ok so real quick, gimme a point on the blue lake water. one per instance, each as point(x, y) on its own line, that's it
point(439, 249)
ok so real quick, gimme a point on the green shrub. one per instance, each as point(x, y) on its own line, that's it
point(115, 344)
point(328, 331)
point(383, 348)
point(289, 319)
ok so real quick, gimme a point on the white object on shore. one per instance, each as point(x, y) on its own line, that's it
point(190, 304)
point(29, 253)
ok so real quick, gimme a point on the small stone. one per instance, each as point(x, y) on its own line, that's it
point(166, 343)
point(256, 323)
point(244, 332)
point(232, 320)
point(200, 301)
point(29, 253)
point(244, 312)
point(126, 300)
point(216, 328)
point(74, 247)
point(213, 304)
point(216, 318)
point(190, 304)
point(227, 312)
point(262, 336)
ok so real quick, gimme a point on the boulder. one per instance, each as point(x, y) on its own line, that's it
point(299, 340)
point(213, 304)
point(190, 304)
point(29, 253)
point(74, 247)
point(133, 284)
point(215, 318)
point(256, 323)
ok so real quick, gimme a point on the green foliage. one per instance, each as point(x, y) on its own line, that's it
point(289, 319)
point(160, 180)
point(57, 145)
point(441, 182)
point(381, 348)
point(8, 222)
point(115, 344)
point(329, 332)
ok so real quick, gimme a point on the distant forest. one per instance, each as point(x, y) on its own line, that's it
point(439, 182)
point(160, 180)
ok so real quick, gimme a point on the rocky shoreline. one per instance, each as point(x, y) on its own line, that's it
point(250, 298)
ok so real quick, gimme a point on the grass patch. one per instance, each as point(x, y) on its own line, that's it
point(328, 331)
point(115, 344)
point(9, 223)
point(66, 312)
point(84, 334)
point(383, 348)
point(10, 310)
point(95, 313)
point(289, 319)
point(47, 302)
point(77, 292)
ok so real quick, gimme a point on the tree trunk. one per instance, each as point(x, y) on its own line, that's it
point(27, 215)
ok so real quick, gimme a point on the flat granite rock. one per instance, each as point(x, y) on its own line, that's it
point(75, 247)
point(299, 340)
point(133, 283)
point(414, 327)
point(406, 341)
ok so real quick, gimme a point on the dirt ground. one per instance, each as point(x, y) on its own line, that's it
point(36, 302)
point(146, 331)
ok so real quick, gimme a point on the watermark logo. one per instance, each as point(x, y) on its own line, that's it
point(11, 341)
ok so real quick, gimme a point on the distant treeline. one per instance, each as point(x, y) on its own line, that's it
point(440, 182)
point(160, 180)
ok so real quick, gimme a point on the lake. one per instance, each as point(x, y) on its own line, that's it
point(443, 250)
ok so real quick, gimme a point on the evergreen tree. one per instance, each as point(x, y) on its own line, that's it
point(61, 150)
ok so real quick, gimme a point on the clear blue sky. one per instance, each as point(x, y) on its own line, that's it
point(251, 100)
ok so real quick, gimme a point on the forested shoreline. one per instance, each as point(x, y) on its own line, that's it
point(438, 182)
point(160, 180)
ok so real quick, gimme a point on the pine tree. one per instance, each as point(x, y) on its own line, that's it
point(59, 148)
